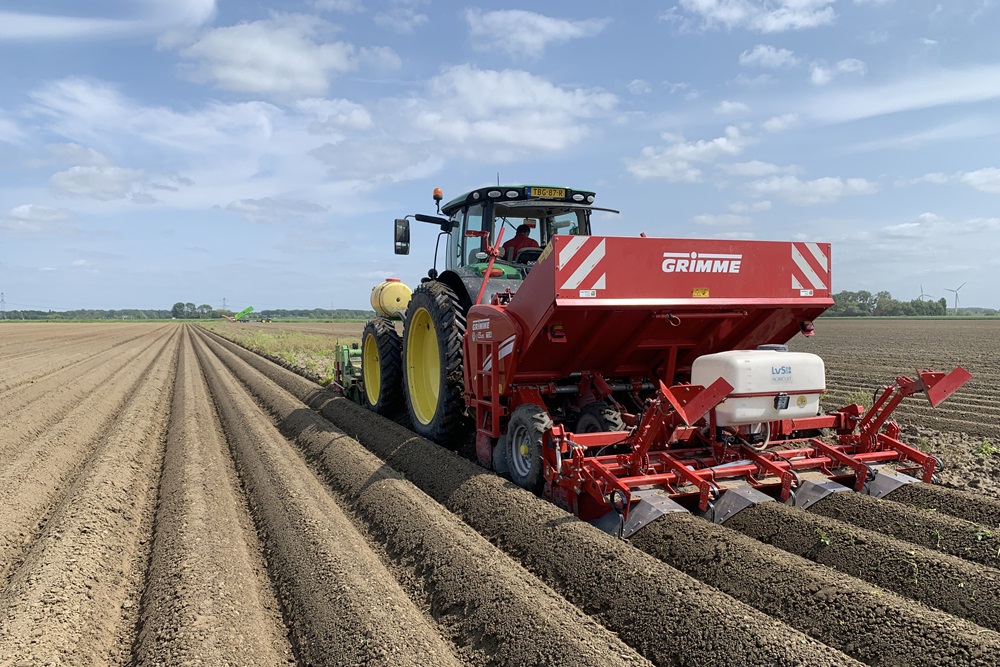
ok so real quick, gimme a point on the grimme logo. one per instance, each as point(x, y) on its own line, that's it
point(693, 262)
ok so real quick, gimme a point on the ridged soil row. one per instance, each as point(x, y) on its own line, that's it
point(669, 617)
point(485, 601)
point(62, 357)
point(884, 628)
point(934, 530)
point(23, 339)
point(208, 598)
point(341, 603)
point(36, 478)
point(973, 507)
point(74, 598)
point(33, 410)
point(961, 588)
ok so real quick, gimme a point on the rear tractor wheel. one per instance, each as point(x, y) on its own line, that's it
point(525, 434)
point(432, 360)
point(381, 368)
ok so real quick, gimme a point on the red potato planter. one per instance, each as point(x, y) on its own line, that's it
point(623, 378)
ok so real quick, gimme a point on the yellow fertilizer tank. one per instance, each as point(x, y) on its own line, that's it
point(390, 298)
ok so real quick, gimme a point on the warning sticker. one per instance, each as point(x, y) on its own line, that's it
point(699, 293)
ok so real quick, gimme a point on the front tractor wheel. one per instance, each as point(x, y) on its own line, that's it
point(381, 368)
point(525, 433)
point(432, 359)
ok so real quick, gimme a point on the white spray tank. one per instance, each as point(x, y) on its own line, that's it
point(769, 384)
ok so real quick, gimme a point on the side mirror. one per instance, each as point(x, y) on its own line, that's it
point(402, 244)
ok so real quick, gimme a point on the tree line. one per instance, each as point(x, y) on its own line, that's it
point(881, 304)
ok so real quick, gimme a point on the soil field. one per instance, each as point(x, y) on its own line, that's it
point(862, 355)
point(169, 498)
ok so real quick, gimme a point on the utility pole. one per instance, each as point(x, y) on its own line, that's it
point(3, 308)
point(223, 303)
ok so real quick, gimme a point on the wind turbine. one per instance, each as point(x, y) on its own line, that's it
point(956, 294)
point(923, 294)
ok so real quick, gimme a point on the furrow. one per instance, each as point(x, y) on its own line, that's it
point(72, 357)
point(341, 603)
point(961, 588)
point(669, 617)
point(30, 413)
point(820, 601)
point(38, 476)
point(73, 598)
point(966, 505)
point(484, 599)
point(208, 597)
point(933, 530)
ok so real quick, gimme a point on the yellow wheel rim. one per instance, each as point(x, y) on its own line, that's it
point(423, 366)
point(372, 369)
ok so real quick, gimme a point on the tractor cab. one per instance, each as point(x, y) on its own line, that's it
point(472, 222)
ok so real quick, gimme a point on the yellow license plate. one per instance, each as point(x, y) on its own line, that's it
point(549, 193)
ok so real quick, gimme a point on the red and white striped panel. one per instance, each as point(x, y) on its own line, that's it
point(811, 268)
point(581, 263)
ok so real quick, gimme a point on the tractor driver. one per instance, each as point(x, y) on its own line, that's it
point(521, 240)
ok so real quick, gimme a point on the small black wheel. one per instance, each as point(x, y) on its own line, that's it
point(381, 368)
point(525, 433)
point(599, 417)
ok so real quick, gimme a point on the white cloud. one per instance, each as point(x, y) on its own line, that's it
point(674, 161)
point(145, 17)
point(985, 180)
point(524, 33)
point(345, 6)
point(639, 87)
point(336, 114)
point(268, 209)
point(522, 111)
point(806, 193)
point(34, 219)
point(780, 123)
point(925, 90)
point(103, 183)
point(821, 74)
point(927, 41)
point(934, 178)
point(728, 107)
point(940, 231)
point(765, 55)
point(765, 16)
point(755, 206)
point(401, 20)
point(286, 54)
point(757, 169)
point(10, 133)
point(719, 219)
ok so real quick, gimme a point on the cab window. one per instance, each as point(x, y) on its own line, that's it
point(474, 221)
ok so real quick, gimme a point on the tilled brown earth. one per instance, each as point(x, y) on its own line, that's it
point(167, 498)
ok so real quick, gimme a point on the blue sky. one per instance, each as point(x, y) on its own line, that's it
point(157, 151)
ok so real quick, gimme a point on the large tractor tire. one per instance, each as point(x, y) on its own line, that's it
point(599, 417)
point(523, 446)
point(381, 368)
point(432, 362)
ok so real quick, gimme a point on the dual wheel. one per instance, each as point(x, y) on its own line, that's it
point(420, 371)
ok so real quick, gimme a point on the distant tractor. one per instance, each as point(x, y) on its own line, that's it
point(611, 373)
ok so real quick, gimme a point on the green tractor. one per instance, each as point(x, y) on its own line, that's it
point(418, 367)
